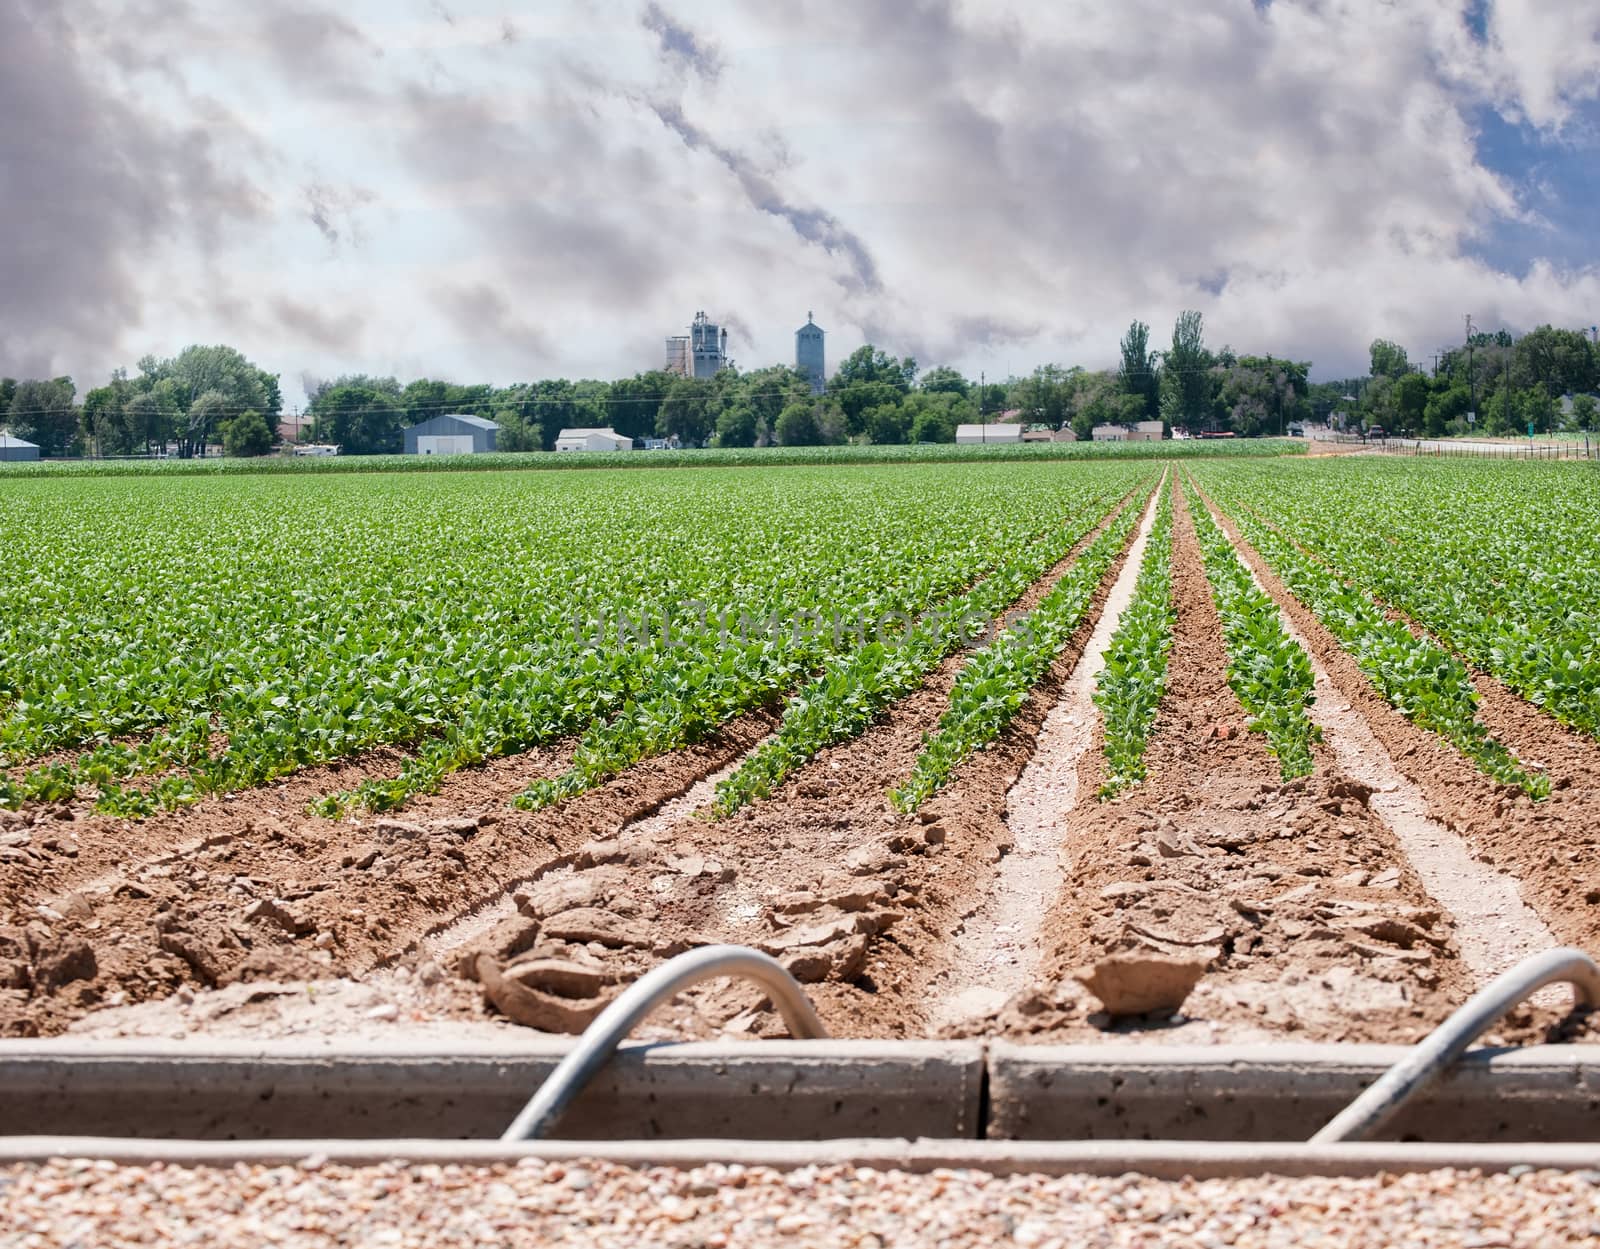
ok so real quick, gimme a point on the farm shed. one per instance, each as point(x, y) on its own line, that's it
point(17, 448)
point(1064, 434)
point(1146, 431)
point(971, 434)
point(592, 440)
point(1110, 433)
point(451, 434)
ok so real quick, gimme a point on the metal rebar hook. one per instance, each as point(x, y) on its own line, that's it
point(601, 1038)
point(1430, 1057)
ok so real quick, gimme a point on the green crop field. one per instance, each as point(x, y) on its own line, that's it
point(164, 637)
point(167, 636)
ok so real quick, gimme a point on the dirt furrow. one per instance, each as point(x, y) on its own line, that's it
point(999, 947)
point(1289, 903)
point(1550, 849)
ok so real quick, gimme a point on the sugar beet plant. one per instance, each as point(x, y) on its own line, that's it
point(1267, 669)
point(1131, 685)
point(995, 682)
point(1420, 679)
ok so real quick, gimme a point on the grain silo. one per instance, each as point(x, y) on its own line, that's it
point(808, 354)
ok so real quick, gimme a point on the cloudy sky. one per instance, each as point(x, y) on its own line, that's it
point(490, 191)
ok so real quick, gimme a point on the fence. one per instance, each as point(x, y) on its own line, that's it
point(1588, 449)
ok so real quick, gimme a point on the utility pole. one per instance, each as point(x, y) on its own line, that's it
point(1472, 381)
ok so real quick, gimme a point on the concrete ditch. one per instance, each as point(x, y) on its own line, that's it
point(782, 1091)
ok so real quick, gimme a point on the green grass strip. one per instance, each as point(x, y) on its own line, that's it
point(1268, 670)
point(1131, 685)
point(995, 682)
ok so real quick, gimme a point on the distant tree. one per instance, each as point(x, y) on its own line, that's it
point(870, 378)
point(798, 426)
point(944, 380)
point(516, 432)
point(1445, 406)
point(1585, 412)
point(688, 412)
point(149, 424)
point(1563, 361)
point(1411, 394)
point(1536, 407)
point(1186, 382)
point(8, 390)
point(359, 419)
point(933, 416)
point(247, 434)
point(103, 420)
point(1388, 359)
point(634, 403)
point(1137, 372)
point(738, 425)
point(1045, 398)
point(1100, 399)
point(887, 424)
point(207, 415)
point(42, 412)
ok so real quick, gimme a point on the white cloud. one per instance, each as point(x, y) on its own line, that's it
point(992, 184)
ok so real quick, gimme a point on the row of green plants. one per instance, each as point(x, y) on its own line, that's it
point(996, 680)
point(727, 457)
point(1131, 685)
point(1497, 561)
point(176, 637)
point(1267, 669)
point(1422, 680)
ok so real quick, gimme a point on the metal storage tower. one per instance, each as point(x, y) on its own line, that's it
point(808, 355)
point(708, 349)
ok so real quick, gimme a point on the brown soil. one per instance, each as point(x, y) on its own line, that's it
point(1551, 847)
point(255, 889)
point(1294, 897)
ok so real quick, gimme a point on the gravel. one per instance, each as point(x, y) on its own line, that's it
point(82, 1202)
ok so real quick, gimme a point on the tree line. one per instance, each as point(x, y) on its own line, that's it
point(210, 396)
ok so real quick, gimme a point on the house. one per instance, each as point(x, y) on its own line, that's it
point(295, 427)
point(1064, 434)
point(1147, 431)
point(1110, 433)
point(451, 434)
point(968, 435)
point(1039, 435)
point(592, 440)
point(13, 449)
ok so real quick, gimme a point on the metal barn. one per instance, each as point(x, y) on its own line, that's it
point(17, 448)
point(451, 434)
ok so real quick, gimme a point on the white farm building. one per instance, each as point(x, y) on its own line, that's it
point(971, 435)
point(592, 440)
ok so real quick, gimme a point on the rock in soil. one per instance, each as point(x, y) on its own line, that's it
point(1137, 984)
